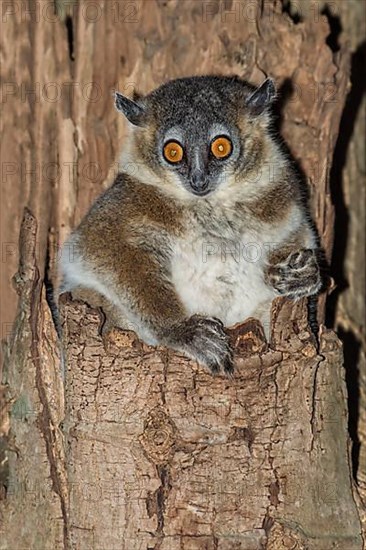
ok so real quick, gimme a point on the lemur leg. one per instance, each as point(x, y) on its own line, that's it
point(295, 275)
point(114, 317)
point(154, 304)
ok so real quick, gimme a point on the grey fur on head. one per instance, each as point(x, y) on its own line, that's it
point(193, 112)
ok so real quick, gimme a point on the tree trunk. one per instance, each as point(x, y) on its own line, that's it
point(139, 447)
point(346, 307)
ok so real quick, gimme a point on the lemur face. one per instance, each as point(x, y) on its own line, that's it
point(198, 151)
point(195, 133)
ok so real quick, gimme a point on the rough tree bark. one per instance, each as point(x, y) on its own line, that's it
point(140, 448)
point(346, 307)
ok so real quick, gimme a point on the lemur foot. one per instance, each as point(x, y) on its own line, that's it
point(297, 276)
point(205, 340)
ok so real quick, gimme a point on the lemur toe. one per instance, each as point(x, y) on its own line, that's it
point(205, 340)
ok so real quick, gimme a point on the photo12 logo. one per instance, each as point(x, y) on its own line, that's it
point(50, 92)
point(249, 252)
point(52, 11)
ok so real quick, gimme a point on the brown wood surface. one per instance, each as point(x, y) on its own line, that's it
point(147, 450)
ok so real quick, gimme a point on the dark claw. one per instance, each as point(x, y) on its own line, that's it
point(228, 366)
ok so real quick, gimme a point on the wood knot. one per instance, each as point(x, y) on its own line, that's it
point(158, 437)
point(248, 338)
point(281, 537)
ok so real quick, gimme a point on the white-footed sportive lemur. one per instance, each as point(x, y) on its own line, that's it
point(204, 225)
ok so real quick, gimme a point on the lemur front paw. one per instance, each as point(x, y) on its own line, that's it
point(297, 276)
point(205, 340)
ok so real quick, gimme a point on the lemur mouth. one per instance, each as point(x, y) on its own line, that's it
point(200, 193)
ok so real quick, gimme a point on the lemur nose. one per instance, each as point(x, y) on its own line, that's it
point(198, 181)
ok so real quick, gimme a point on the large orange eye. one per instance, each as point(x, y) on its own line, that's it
point(173, 151)
point(221, 147)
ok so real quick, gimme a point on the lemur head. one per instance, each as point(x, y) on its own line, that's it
point(197, 133)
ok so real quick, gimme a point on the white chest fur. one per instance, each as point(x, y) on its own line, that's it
point(221, 278)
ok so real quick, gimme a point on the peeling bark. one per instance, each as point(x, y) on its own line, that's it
point(257, 461)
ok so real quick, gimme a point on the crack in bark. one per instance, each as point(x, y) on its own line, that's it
point(160, 497)
point(313, 401)
point(97, 381)
point(274, 487)
point(164, 355)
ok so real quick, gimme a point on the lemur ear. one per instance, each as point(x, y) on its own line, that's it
point(133, 111)
point(262, 97)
